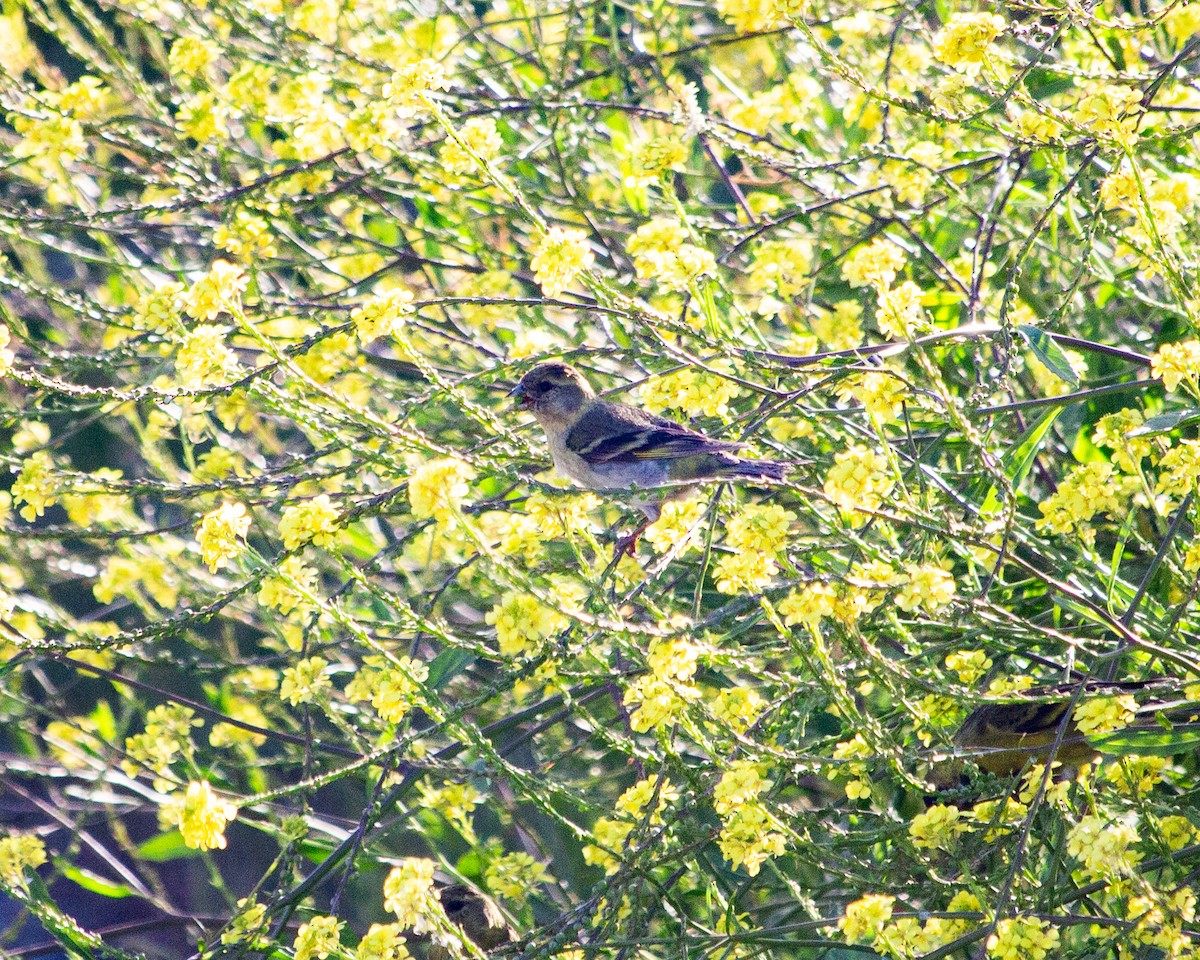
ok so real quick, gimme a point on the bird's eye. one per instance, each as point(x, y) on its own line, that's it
point(544, 388)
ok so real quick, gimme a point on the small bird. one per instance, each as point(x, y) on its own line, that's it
point(1003, 737)
point(479, 917)
point(608, 446)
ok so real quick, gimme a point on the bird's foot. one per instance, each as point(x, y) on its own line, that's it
point(627, 544)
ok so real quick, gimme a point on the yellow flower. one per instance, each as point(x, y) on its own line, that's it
point(203, 118)
point(398, 689)
point(738, 707)
point(314, 521)
point(437, 488)
point(875, 265)
point(522, 621)
point(220, 532)
point(277, 590)
point(750, 16)
point(1022, 938)
point(693, 391)
point(943, 930)
point(318, 938)
point(781, 267)
point(1088, 489)
point(410, 85)
point(865, 917)
point(200, 815)
point(382, 315)
point(741, 783)
point(218, 291)
point(35, 485)
point(305, 682)
point(247, 237)
point(1177, 363)
point(247, 926)
point(320, 19)
point(882, 395)
point(964, 41)
point(742, 572)
point(190, 56)
point(408, 893)
point(1109, 110)
point(747, 838)
point(654, 702)
point(1112, 431)
point(1176, 832)
point(659, 236)
point(937, 828)
point(203, 358)
point(478, 137)
point(929, 587)
point(6, 356)
point(561, 255)
point(899, 313)
point(1180, 469)
point(858, 480)
point(384, 941)
point(1102, 715)
point(514, 875)
point(19, 852)
point(1103, 848)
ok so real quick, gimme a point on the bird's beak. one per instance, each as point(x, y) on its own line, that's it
point(518, 394)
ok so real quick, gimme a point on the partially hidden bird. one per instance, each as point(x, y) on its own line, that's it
point(479, 917)
point(613, 446)
point(1003, 737)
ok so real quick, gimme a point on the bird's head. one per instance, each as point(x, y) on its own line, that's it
point(478, 916)
point(553, 391)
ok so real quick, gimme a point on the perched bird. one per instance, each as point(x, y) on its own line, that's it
point(1003, 737)
point(478, 916)
point(607, 446)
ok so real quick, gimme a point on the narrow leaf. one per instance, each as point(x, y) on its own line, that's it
point(1164, 423)
point(1049, 352)
point(89, 881)
point(1154, 742)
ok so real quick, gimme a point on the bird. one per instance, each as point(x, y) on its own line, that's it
point(603, 445)
point(479, 917)
point(1003, 737)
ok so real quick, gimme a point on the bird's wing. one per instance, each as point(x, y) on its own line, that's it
point(1008, 724)
point(616, 433)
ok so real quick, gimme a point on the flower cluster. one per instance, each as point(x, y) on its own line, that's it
point(561, 255)
point(200, 815)
point(522, 622)
point(964, 41)
point(220, 534)
point(750, 834)
point(694, 392)
point(661, 697)
point(382, 315)
point(758, 537)
point(312, 521)
point(634, 810)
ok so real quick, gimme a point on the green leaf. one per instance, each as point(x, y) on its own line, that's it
point(1049, 352)
point(166, 846)
point(89, 881)
point(1164, 423)
point(1018, 459)
point(447, 665)
point(1154, 742)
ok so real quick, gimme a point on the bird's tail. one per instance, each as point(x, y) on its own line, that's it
point(757, 469)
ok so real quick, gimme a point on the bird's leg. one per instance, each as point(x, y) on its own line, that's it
point(628, 543)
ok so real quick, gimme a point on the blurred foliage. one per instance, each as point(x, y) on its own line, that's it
point(297, 620)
